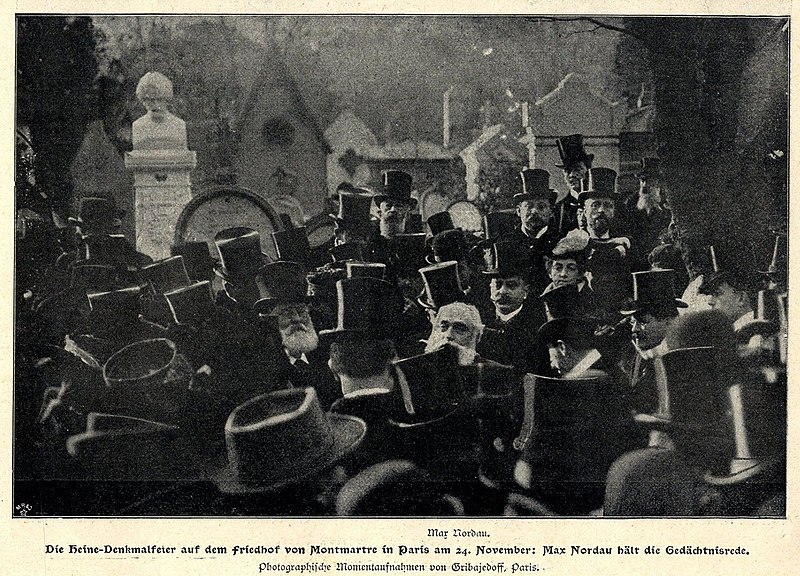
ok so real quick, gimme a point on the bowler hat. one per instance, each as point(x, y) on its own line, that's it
point(196, 258)
point(571, 151)
point(441, 285)
point(281, 283)
point(534, 185)
point(602, 184)
point(240, 253)
point(397, 187)
point(166, 275)
point(365, 309)
point(653, 290)
point(283, 437)
point(429, 388)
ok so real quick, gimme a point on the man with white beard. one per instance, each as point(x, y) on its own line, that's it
point(284, 299)
point(459, 325)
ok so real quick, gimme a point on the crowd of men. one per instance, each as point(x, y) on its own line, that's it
point(565, 362)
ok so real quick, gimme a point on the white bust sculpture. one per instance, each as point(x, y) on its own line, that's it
point(158, 129)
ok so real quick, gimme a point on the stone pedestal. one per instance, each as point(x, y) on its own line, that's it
point(162, 189)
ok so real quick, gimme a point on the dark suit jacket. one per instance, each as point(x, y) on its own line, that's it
point(514, 343)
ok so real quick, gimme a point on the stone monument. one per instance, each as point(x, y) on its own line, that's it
point(161, 164)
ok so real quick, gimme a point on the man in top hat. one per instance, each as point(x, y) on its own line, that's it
point(285, 299)
point(241, 258)
point(653, 309)
point(394, 203)
point(509, 337)
point(575, 164)
point(352, 223)
point(647, 213)
point(610, 257)
point(733, 289)
point(534, 201)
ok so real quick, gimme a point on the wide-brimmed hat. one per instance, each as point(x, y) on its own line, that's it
point(191, 304)
point(649, 167)
point(602, 184)
point(428, 389)
point(575, 246)
point(291, 244)
point(283, 437)
point(354, 209)
point(117, 447)
point(281, 283)
point(365, 309)
point(571, 151)
point(510, 258)
point(534, 184)
point(441, 285)
point(196, 258)
point(166, 275)
point(397, 186)
point(653, 290)
point(240, 253)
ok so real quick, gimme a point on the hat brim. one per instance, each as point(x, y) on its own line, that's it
point(400, 425)
point(348, 433)
point(659, 421)
point(631, 311)
point(378, 198)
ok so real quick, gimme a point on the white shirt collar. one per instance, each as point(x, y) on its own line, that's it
point(539, 234)
point(506, 317)
point(293, 360)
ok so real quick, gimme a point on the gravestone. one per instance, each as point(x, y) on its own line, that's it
point(161, 166)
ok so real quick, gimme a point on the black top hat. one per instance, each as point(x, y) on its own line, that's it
point(347, 251)
point(778, 262)
point(397, 187)
point(191, 304)
point(122, 303)
point(281, 283)
point(654, 290)
point(357, 269)
point(442, 285)
point(650, 167)
point(240, 253)
point(447, 245)
point(578, 331)
point(96, 213)
point(440, 222)
point(110, 249)
point(166, 275)
point(566, 301)
point(571, 150)
point(498, 224)
point(510, 258)
point(731, 263)
point(197, 259)
point(126, 448)
point(292, 244)
point(602, 184)
point(93, 277)
point(364, 309)
point(428, 388)
point(534, 185)
point(283, 437)
point(354, 208)
point(410, 250)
